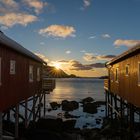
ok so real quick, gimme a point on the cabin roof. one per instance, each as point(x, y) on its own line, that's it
point(17, 47)
point(124, 55)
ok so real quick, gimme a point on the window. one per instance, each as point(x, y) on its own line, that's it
point(139, 73)
point(127, 70)
point(111, 75)
point(38, 74)
point(12, 67)
point(31, 73)
point(117, 75)
point(0, 72)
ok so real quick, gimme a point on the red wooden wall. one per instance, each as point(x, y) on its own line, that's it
point(15, 88)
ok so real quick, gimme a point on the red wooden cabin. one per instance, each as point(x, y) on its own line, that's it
point(20, 73)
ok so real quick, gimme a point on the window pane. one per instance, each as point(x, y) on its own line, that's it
point(127, 70)
point(30, 73)
point(38, 74)
point(12, 67)
point(116, 79)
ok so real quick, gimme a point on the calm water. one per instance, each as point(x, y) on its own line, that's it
point(77, 89)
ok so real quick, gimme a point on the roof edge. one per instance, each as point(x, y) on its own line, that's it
point(124, 55)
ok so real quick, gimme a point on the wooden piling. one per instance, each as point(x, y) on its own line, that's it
point(0, 125)
point(16, 121)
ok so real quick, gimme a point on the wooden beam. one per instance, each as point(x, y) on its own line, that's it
point(0, 125)
point(16, 120)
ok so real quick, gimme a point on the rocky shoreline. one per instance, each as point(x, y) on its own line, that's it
point(62, 126)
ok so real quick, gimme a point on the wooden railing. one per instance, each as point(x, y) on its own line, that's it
point(106, 84)
point(48, 84)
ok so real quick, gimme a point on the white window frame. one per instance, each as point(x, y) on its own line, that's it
point(31, 73)
point(38, 74)
point(117, 75)
point(0, 72)
point(12, 67)
point(138, 73)
point(127, 70)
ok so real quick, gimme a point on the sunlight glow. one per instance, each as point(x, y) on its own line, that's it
point(57, 65)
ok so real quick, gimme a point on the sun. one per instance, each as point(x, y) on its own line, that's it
point(57, 66)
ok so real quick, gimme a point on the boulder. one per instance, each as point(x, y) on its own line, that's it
point(69, 124)
point(68, 116)
point(90, 108)
point(69, 105)
point(54, 105)
point(87, 100)
point(50, 124)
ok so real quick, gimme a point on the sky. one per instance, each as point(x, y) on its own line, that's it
point(78, 36)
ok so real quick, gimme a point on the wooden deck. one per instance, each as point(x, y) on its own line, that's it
point(48, 84)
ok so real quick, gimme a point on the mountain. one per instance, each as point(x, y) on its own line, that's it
point(52, 72)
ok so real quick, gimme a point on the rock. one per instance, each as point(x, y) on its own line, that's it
point(98, 122)
point(69, 105)
point(54, 105)
point(67, 115)
point(87, 100)
point(90, 108)
point(42, 134)
point(99, 103)
point(69, 124)
point(50, 124)
point(49, 109)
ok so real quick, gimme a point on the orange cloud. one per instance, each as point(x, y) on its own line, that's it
point(36, 4)
point(92, 57)
point(58, 31)
point(127, 43)
point(10, 19)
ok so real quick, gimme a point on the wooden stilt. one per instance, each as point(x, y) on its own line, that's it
point(39, 106)
point(33, 108)
point(44, 104)
point(8, 115)
point(115, 104)
point(0, 125)
point(106, 103)
point(111, 109)
point(26, 113)
point(16, 121)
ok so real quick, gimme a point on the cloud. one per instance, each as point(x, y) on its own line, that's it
point(8, 6)
point(10, 19)
point(106, 36)
point(92, 37)
point(78, 66)
point(58, 31)
point(89, 57)
point(43, 57)
point(92, 57)
point(36, 4)
point(105, 57)
point(127, 43)
point(9, 3)
point(75, 65)
point(68, 52)
point(87, 3)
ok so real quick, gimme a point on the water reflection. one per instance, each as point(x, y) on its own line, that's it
point(77, 89)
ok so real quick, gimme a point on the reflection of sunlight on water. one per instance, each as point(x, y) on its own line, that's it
point(76, 89)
